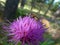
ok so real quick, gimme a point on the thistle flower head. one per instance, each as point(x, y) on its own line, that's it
point(26, 30)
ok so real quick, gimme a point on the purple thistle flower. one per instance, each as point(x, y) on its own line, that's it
point(26, 30)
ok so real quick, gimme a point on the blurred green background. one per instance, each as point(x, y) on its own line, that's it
point(48, 10)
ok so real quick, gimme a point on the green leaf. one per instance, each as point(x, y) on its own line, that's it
point(47, 43)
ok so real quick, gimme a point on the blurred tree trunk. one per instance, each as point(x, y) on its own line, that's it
point(48, 7)
point(10, 9)
point(39, 8)
point(32, 4)
point(23, 3)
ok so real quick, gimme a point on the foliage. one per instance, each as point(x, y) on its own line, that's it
point(22, 12)
point(55, 6)
point(40, 1)
point(23, 3)
point(48, 42)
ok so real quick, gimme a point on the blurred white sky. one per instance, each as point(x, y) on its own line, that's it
point(56, 0)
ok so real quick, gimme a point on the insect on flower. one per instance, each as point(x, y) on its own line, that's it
point(27, 30)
